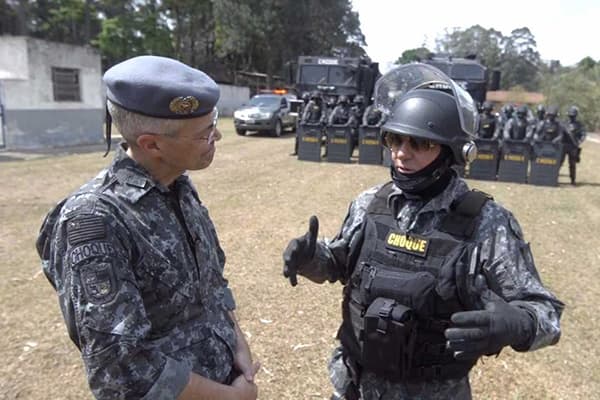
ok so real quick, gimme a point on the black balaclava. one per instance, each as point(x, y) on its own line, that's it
point(428, 182)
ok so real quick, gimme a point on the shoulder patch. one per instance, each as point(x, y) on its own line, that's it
point(99, 282)
point(84, 228)
point(90, 250)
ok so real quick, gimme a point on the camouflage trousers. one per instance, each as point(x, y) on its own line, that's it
point(372, 387)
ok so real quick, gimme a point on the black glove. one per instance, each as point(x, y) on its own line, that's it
point(300, 251)
point(475, 333)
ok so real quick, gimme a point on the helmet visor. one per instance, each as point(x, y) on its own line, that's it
point(404, 78)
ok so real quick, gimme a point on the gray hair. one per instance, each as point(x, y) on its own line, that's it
point(131, 124)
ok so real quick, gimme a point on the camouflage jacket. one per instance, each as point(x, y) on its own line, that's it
point(142, 292)
point(504, 256)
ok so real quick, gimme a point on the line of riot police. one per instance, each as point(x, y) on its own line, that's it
point(509, 140)
point(341, 123)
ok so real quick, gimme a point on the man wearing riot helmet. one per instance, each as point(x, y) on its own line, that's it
point(488, 123)
point(540, 112)
point(518, 128)
point(550, 130)
point(435, 275)
point(573, 135)
point(341, 112)
point(314, 112)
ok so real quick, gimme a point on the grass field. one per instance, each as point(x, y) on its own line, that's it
point(259, 198)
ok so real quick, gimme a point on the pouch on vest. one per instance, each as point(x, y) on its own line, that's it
point(389, 338)
point(415, 290)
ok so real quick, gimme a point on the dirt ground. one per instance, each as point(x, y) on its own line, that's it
point(259, 198)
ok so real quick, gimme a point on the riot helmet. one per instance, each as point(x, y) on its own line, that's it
point(305, 97)
point(359, 99)
point(420, 101)
point(541, 111)
point(552, 112)
point(315, 95)
point(342, 99)
point(487, 107)
point(573, 111)
point(522, 111)
point(508, 110)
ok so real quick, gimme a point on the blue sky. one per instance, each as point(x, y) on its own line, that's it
point(564, 30)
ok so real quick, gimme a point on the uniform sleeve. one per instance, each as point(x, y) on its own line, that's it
point(335, 258)
point(510, 271)
point(109, 314)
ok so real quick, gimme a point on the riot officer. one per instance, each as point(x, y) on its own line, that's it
point(305, 97)
point(372, 116)
point(573, 135)
point(488, 123)
point(435, 276)
point(357, 110)
point(314, 112)
point(550, 130)
point(506, 113)
point(518, 128)
point(540, 112)
point(341, 113)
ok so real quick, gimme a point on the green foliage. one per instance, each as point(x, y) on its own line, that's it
point(411, 55)
point(578, 86)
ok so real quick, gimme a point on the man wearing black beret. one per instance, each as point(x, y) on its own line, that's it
point(134, 256)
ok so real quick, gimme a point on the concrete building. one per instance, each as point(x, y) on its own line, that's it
point(50, 94)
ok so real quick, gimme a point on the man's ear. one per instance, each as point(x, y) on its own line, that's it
point(148, 143)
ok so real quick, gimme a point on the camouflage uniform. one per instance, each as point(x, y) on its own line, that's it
point(505, 258)
point(139, 273)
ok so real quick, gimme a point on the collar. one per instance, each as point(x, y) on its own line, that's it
point(136, 178)
point(442, 201)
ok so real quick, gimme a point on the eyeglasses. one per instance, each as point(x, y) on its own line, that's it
point(394, 141)
point(213, 126)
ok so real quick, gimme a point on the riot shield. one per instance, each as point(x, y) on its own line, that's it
point(339, 143)
point(369, 145)
point(309, 142)
point(485, 166)
point(514, 161)
point(545, 163)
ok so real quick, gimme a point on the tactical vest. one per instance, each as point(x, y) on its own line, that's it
point(550, 130)
point(519, 129)
point(393, 318)
point(487, 126)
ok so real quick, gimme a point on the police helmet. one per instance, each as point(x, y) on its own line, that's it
point(552, 111)
point(305, 96)
point(522, 111)
point(359, 99)
point(573, 111)
point(540, 108)
point(508, 109)
point(315, 95)
point(487, 106)
point(342, 99)
point(422, 102)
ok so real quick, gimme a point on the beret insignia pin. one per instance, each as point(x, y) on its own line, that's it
point(184, 105)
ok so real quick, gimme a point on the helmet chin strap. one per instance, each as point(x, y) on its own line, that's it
point(429, 181)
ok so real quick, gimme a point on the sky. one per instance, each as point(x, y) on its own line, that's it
point(564, 30)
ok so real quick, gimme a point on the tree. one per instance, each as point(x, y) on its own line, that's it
point(486, 44)
point(418, 54)
point(520, 61)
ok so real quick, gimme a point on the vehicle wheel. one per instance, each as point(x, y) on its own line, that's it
point(278, 129)
point(240, 132)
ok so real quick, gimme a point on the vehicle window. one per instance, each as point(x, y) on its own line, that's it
point(467, 72)
point(313, 74)
point(264, 101)
point(342, 76)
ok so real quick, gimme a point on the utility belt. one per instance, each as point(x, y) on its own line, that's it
point(391, 328)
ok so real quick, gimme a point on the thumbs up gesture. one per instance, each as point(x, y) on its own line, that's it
point(300, 251)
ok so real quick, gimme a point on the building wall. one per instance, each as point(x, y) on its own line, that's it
point(33, 119)
point(232, 98)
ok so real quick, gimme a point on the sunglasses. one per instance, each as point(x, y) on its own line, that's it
point(393, 141)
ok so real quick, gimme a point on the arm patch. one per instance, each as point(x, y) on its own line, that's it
point(85, 228)
point(99, 282)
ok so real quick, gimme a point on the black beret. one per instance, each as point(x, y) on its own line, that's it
point(161, 87)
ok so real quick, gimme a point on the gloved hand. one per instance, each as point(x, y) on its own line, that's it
point(300, 251)
point(487, 331)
